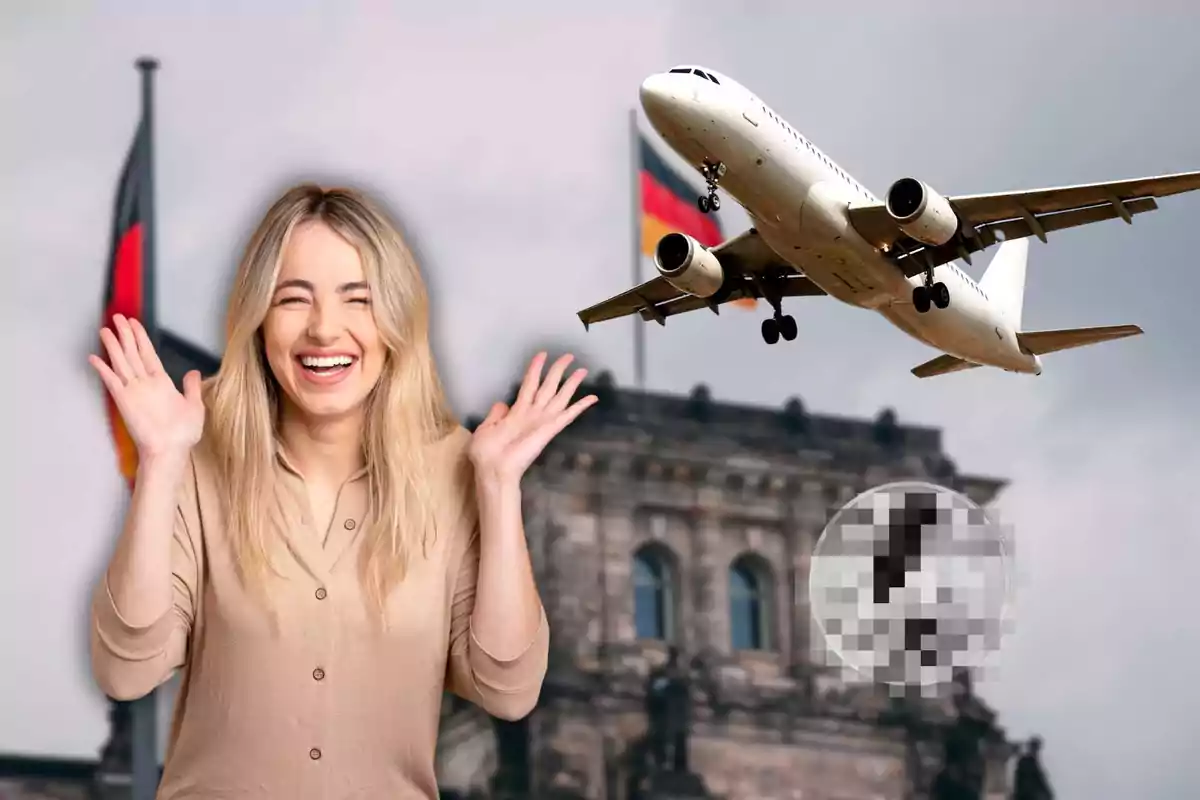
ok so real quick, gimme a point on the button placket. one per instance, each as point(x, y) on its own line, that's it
point(320, 700)
point(345, 525)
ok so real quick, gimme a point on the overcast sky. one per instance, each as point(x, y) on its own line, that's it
point(501, 140)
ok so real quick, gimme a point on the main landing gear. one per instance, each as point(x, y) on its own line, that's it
point(712, 176)
point(779, 325)
point(930, 291)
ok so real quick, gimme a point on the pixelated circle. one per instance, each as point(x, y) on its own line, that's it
point(910, 581)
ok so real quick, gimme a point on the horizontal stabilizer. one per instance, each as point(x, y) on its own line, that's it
point(941, 365)
point(1041, 342)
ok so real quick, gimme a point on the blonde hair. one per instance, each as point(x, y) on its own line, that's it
point(406, 411)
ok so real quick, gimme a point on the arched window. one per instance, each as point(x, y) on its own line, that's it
point(652, 595)
point(748, 606)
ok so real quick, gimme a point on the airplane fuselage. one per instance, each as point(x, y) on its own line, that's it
point(798, 199)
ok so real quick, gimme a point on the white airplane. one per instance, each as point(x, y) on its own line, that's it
point(818, 231)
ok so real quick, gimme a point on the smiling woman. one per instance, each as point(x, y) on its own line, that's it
point(313, 539)
point(320, 335)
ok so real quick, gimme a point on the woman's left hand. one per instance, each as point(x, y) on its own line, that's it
point(509, 440)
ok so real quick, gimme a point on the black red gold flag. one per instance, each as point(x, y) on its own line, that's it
point(668, 204)
point(129, 288)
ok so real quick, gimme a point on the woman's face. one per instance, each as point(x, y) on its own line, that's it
point(320, 335)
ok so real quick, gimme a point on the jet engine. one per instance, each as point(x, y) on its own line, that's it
point(688, 265)
point(921, 212)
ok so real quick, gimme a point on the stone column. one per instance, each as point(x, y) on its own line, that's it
point(806, 518)
point(616, 534)
point(710, 623)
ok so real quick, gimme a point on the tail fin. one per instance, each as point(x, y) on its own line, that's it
point(1042, 342)
point(1004, 280)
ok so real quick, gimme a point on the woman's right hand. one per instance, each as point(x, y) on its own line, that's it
point(160, 420)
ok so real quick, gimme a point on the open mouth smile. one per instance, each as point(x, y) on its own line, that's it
point(326, 369)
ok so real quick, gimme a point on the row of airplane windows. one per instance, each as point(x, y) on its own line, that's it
point(787, 127)
point(969, 280)
point(796, 135)
point(853, 183)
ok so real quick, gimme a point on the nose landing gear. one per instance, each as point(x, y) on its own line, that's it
point(712, 176)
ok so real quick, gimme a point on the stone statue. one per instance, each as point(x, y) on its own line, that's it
point(964, 767)
point(1029, 778)
point(657, 763)
point(668, 707)
point(968, 704)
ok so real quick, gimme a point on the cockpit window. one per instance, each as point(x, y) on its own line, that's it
point(693, 71)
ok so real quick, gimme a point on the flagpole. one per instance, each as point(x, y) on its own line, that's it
point(144, 711)
point(639, 325)
point(147, 67)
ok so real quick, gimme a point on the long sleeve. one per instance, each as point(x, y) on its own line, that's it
point(506, 689)
point(128, 661)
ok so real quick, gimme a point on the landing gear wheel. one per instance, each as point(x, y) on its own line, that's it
point(920, 299)
point(787, 327)
point(770, 331)
point(712, 176)
point(940, 295)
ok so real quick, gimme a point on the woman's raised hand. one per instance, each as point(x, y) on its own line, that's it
point(508, 440)
point(160, 420)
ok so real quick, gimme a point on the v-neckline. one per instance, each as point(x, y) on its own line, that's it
point(319, 552)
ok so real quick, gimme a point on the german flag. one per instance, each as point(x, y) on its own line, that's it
point(668, 204)
point(129, 289)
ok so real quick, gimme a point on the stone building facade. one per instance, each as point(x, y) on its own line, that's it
point(659, 520)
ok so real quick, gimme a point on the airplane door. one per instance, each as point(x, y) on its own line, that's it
point(752, 114)
point(801, 239)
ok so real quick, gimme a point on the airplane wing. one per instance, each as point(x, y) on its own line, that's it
point(747, 252)
point(989, 218)
point(747, 260)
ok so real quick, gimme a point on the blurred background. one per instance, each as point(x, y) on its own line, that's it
point(500, 138)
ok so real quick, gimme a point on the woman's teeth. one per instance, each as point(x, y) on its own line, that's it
point(325, 363)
